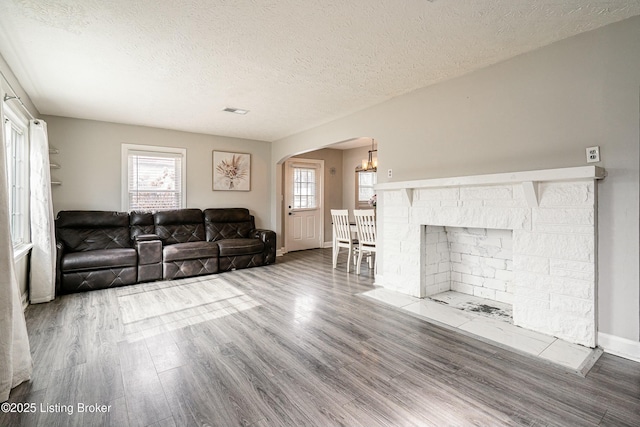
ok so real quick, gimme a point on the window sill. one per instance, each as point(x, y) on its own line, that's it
point(21, 251)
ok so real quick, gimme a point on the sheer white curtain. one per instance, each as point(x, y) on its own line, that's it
point(42, 281)
point(15, 355)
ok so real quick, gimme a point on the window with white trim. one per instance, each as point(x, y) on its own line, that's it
point(17, 159)
point(365, 182)
point(154, 178)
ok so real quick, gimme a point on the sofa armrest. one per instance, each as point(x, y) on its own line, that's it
point(149, 249)
point(269, 239)
point(146, 238)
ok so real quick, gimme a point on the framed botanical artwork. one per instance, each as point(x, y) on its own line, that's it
point(231, 171)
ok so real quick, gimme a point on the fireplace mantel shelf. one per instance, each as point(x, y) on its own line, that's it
point(562, 174)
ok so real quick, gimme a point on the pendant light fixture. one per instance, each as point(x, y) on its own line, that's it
point(369, 164)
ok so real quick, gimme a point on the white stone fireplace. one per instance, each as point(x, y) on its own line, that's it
point(550, 217)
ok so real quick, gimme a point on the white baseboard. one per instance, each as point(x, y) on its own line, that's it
point(618, 346)
point(282, 251)
point(378, 280)
point(25, 300)
point(41, 300)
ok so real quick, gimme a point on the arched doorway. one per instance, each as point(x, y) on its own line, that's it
point(339, 190)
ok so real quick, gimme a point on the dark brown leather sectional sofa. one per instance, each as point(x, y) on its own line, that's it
point(104, 249)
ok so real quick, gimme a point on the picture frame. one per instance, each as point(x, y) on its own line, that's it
point(231, 171)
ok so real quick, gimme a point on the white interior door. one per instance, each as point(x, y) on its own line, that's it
point(303, 204)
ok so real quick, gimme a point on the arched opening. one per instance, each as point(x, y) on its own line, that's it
point(340, 188)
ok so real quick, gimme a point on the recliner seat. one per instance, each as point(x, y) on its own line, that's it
point(185, 252)
point(241, 244)
point(94, 251)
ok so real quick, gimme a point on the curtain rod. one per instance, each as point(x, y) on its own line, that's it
point(8, 97)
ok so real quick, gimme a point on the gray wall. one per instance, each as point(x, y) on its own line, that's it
point(90, 157)
point(536, 111)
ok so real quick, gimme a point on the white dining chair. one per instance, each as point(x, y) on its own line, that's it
point(342, 236)
point(366, 226)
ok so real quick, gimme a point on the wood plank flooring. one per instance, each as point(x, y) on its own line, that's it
point(299, 348)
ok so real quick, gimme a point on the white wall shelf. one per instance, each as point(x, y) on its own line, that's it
point(52, 165)
point(562, 174)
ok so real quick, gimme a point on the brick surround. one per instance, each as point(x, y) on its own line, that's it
point(552, 215)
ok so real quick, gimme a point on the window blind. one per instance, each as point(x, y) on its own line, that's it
point(154, 180)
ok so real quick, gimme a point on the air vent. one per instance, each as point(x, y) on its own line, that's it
point(236, 110)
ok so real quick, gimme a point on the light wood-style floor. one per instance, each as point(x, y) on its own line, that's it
point(292, 344)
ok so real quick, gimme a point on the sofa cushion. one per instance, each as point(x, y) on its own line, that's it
point(92, 219)
point(79, 281)
point(236, 247)
point(190, 250)
point(228, 223)
point(93, 230)
point(141, 223)
point(179, 226)
point(189, 268)
point(101, 259)
point(228, 263)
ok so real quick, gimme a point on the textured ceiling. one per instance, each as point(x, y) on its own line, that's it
point(294, 64)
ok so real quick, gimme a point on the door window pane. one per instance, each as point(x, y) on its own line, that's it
point(304, 188)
